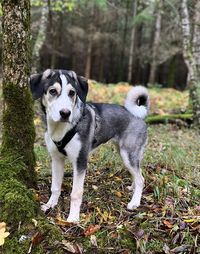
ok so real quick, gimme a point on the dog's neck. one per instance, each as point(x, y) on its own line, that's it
point(57, 130)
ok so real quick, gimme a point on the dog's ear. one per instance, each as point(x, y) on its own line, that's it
point(82, 88)
point(37, 83)
point(35, 86)
point(82, 85)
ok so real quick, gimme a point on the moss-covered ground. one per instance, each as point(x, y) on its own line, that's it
point(168, 220)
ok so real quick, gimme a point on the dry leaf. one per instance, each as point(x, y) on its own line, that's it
point(3, 234)
point(91, 230)
point(167, 223)
point(68, 246)
point(37, 238)
point(93, 240)
point(61, 222)
point(118, 194)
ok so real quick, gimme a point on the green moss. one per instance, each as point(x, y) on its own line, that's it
point(50, 238)
point(18, 128)
point(169, 118)
point(17, 202)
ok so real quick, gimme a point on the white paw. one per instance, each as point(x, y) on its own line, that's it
point(131, 187)
point(45, 207)
point(74, 220)
point(51, 203)
point(133, 205)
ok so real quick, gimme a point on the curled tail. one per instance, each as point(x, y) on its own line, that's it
point(137, 101)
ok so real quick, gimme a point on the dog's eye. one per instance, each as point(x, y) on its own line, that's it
point(53, 91)
point(71, 93)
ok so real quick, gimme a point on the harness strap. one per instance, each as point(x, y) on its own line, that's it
point(66, 139)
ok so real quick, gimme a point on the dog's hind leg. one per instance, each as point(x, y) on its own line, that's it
point(76, 195)
point(57, 177)
point(131, 160)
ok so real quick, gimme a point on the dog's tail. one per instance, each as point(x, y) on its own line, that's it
point(137, 101)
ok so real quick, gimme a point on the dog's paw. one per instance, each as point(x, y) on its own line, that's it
point(133, 205)
point(45, 207)
point(131, 187)
point(73, 220)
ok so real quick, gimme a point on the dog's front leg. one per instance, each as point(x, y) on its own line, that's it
point(57, 177)
point(76, 195)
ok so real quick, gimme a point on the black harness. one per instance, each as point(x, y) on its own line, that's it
point(66, 139)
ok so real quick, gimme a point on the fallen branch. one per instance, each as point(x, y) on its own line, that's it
point(188, 118)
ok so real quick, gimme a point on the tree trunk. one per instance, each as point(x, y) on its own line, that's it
point(40, 37)
point(131, 51)
point(88, 59)
point(195, 89)
point(156, 42)
point(191, 56)
point(18, 128)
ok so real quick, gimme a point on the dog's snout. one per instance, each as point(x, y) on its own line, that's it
point(65, 113)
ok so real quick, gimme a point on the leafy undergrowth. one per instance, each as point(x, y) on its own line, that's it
point(163, 100)
point(168, 220)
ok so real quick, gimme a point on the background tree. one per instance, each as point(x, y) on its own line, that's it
point(156, 39)
point(191, 55)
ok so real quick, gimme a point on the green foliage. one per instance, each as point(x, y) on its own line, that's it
point(58, 5)
point(144, 16)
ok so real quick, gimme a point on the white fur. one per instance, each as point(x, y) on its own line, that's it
point(137, 184)
point(131, 99)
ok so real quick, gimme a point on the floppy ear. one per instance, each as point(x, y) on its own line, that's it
point(82, 88)
point(37, 83)
point(82, 85)
point(36, 86)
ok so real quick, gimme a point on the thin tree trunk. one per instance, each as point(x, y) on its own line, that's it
point(122, 56)
point(18, 128)
point(195, 89)
point(131, 51)
point(156, 42)
point(191, 57)
point(40, 37)
point(88, 58)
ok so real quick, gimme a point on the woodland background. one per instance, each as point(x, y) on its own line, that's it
point(111, 41)
point(153, 42)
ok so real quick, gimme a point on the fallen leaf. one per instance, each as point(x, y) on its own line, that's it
point(61, 222)
point(37, 238)
point(93, 240)
point(3, 234)
point(91, 230)
point(68, 246)
point(167, 223)
point(118, 194)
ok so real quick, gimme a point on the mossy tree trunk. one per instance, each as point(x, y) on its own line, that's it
point(18, 127)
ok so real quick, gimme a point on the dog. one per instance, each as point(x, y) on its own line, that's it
point(75, 128)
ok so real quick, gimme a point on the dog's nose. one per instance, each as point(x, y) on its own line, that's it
point(65, 113)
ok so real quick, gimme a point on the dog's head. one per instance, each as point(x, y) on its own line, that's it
point(60, 92)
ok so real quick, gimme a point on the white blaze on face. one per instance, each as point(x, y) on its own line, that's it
point(62, 101)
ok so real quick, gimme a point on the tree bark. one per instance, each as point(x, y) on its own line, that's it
point(88, 59)
point(131, 51)
point(195, 88)
point(191, 56)
point(156, 42)
point(18, 127)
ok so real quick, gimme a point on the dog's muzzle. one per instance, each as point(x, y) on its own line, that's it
point(64, 114)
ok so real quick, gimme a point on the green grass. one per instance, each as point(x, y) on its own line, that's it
point(171, 168)
point(169, 212)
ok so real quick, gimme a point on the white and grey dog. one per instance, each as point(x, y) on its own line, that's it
point(74, 128)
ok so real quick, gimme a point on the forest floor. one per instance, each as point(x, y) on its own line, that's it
point(168, 220)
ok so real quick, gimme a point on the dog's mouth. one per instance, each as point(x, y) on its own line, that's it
point(62, 120)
